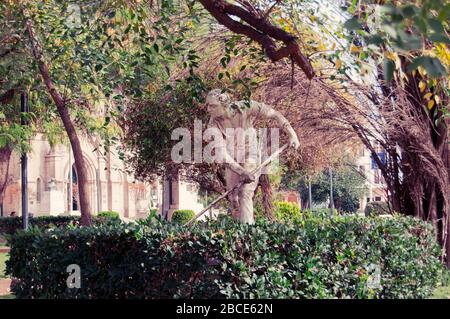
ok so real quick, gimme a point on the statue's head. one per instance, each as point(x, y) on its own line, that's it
point(217, 102)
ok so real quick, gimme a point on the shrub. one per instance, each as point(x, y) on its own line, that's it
point(286, 211)
point(324, 212)
point(376, 209)
point(182, 216)
point(325, 258)
point(445, 277)
point(9, 225)
point(108, 215)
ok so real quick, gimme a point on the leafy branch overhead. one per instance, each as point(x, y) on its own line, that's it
point(246, 20)
point(417, 33)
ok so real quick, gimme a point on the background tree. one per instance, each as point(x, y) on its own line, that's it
point(93, 57)
point(349, 185)
point(410, 41)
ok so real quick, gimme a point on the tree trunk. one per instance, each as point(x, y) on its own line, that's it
point(447, 244)
point(5, 155)
point(266, 192)
point(85, 207)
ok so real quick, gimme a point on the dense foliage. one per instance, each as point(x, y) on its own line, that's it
point(348, 187)
point(182, 216)
point(287, 211)
point(109, 214)
point(322, 258)
point(149, 125)
point(376, 208)
point(9, 225)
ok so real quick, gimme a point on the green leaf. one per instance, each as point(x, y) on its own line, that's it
point(388, 69)
point(408, 42)
point(352, 24)
point(223, 61)
point(374, 39)
point(353, 6)
point(436, 25)
point(439, 38)
point(409, 10)
point(419, 23)
point(432, 65)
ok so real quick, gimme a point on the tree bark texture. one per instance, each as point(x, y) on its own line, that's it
point(63, 110)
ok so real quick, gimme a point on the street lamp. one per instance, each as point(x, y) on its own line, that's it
point(24, 162)
point(331, 193)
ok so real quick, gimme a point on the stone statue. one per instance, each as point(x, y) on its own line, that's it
point(242, 115)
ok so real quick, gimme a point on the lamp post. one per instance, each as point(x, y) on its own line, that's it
point(24, 162)
point(207, 202)
point(331, 193)
point(310, 194)
point(70, 182)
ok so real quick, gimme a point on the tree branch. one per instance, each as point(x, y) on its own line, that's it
point(69, 126)
point(259, 30)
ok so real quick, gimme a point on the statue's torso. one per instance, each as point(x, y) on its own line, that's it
point(238, 131)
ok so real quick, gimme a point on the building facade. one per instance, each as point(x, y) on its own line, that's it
point(375, 183)
point(53, 184)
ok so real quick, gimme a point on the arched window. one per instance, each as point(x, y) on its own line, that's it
point(38, 190)
point(72, 190)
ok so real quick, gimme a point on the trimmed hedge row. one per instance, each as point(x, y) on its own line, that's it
point(108, 214)
point(9, 225)
point(322, 258)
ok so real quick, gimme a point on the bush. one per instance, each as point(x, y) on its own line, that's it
point(445, 277)
point(324, 212)
point(182, 216)
point(9, 225)
point(109, 215)
point(286, 211)
point(376, 209)
point(325, 258)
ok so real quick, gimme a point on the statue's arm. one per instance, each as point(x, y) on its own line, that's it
point(231, 163)
point(228, 160)
point(268, 112)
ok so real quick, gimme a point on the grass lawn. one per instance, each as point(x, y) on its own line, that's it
point(2, 240)
point(3, 258)
point(441, 293)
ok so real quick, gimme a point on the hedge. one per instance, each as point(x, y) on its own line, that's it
point(182, 216)
point(322, 258)
point(286, 211)
point(108, 214)
point(9, 225)
point(376, 209)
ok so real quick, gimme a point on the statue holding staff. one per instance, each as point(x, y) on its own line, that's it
point(240, 118)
